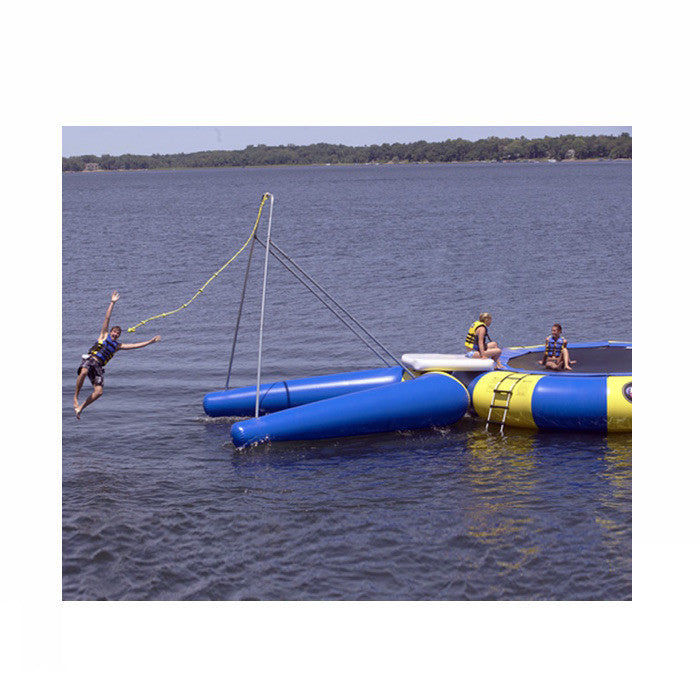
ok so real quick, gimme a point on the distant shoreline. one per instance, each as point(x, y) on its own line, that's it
point(531, 161)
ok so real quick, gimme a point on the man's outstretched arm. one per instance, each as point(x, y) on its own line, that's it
point(133, 346)
point(110, 308)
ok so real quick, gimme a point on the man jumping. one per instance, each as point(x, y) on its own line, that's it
point(99, 355)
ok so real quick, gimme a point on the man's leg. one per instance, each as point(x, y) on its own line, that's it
point(79, 385)
point(96, 393)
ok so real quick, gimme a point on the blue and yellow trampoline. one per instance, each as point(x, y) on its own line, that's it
point(595, 396)
point(440, 390)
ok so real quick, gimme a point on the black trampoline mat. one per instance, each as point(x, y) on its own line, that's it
point(598, 360)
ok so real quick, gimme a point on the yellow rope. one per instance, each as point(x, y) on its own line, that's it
point(221, 269)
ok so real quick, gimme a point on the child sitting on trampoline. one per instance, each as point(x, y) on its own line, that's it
point(556, 353)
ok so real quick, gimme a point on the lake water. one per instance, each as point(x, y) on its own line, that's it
point(158, 504)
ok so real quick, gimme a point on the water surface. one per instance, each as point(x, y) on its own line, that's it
point(158, 505)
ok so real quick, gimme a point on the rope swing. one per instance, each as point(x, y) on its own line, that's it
point(265, 197)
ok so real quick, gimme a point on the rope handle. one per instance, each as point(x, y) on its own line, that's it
point(265, 197)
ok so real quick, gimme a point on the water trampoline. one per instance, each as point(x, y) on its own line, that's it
point(435, 390)
point(596, 395)
point(424, 390)
point(591, 358)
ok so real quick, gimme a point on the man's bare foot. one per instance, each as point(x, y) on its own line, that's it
point(78, 410)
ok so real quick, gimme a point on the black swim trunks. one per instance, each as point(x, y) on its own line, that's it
point(96, 372)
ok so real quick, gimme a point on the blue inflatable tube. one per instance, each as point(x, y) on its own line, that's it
point(433, 399)
point(296, 392)
point(570, 403)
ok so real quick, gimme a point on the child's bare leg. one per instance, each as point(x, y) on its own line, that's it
point(494, 353)
point(567, 360)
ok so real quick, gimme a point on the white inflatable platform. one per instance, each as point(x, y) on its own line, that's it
point(425, 362)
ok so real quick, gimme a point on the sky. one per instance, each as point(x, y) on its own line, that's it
point(147, 140)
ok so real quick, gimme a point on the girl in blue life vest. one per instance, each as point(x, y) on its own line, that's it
point(99, 355)
point(477, 344)
point(556, 354)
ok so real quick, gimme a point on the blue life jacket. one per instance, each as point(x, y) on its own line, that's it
point(105, 350)
point(553, 347)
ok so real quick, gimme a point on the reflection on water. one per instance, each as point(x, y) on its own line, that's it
point(614, 512)
point(499, 472)
point(618, 455)
point(521, 499)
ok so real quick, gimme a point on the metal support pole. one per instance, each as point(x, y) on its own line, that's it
point(240, 313)
point(262, 308)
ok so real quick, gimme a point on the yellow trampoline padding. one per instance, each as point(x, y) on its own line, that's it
point(520, 408)
point(619, 404)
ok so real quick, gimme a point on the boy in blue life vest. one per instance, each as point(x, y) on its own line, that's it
point(556, 353)
point(99, 355)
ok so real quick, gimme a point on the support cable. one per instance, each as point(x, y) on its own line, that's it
point(328, 306)
point(278, 253)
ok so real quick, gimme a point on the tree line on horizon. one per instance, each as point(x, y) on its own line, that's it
point(563, 147)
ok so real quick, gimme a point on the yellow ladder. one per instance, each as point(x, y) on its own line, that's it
point(503, 395)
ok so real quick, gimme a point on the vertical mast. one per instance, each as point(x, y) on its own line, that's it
point(262, 308)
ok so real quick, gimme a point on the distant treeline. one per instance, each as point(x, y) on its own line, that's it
point(564, 147)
